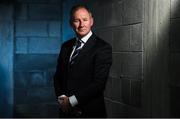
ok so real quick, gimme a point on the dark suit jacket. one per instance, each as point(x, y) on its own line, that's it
point(86, 78)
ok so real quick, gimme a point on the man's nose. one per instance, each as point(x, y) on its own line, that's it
point(81, 23)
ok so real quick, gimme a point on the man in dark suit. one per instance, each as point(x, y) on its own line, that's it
point(82, 70)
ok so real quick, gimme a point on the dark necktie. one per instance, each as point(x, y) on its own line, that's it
point(76, 52)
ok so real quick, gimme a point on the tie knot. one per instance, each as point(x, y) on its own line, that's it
point(76, 51)
point(78, 43)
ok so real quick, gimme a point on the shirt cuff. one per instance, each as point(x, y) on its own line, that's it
point(73, 101)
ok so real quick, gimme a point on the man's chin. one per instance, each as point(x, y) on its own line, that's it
point(82, 34)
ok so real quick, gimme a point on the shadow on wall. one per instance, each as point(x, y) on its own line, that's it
point(175, 59)
point(7, 2)
point(3, 88)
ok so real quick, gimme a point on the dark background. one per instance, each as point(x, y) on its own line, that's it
point(144, 34)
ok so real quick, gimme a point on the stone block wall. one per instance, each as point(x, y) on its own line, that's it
point(37, 33)
point(119, 22)
point(145, 51)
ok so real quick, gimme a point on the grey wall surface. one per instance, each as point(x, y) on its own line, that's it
point(119, 22)
point(156, 58)
point(138, 31)
point(175, 57)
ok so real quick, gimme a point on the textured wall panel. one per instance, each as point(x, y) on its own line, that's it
point(132, 11)
point(121, 41)
point(175, 35)
point(6, 66)
point(44, 12)
point(55, 29)
point(21, 45)
point(136, 41)
point(21, 11)
point(113, 13)
point(175, 8)
point(31, 28)
point(44, 45)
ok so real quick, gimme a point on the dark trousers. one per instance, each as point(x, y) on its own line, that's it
point(83, 115)
point(70, 115)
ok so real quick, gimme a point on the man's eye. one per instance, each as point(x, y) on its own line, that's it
point(75, 21)
point(85, 19)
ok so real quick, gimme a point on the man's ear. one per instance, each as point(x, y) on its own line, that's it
point(92, 21)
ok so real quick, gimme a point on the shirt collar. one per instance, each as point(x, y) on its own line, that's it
point(86, 37)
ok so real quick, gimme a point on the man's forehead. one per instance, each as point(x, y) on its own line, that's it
point(81, 10)
point(81, 13)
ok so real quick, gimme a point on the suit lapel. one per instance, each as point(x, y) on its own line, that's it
point(88, 45)
point(69, 50)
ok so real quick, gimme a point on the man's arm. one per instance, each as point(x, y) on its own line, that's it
point(58, 74)
point(102, 66)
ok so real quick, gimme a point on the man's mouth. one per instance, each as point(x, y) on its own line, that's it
point(81, 30)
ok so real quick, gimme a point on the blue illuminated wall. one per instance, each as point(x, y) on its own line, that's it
point(6, 60)
point(37, 43)
point(38, 38)
point(67, 30)
point(30, 39)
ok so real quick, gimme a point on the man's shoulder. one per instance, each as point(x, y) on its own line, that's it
point(102, 42)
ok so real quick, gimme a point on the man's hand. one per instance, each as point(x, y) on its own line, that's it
point(64, 103)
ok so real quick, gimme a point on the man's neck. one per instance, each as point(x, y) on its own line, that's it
point(86, 37)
